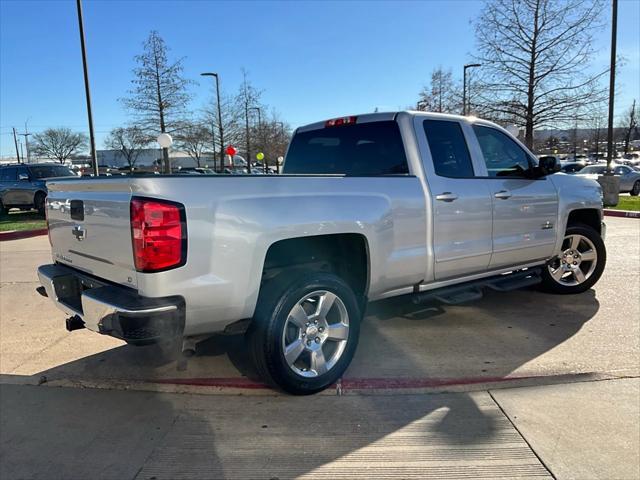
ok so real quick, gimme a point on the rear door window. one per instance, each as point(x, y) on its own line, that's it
point(367, 149)
point(8, 174)
point(48, 171)
point(448, 148)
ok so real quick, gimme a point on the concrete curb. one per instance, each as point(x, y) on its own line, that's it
point(621, 213)
point(355, 386)
point(20, 234)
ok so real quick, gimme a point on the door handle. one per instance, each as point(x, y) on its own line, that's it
point(446, 197)
point(503, 194)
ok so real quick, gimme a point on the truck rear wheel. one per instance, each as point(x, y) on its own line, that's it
point(305, 331)
point(580, 263)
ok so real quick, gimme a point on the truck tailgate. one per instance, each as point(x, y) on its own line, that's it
point(89, 227)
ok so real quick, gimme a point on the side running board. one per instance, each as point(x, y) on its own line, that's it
point(473, 290)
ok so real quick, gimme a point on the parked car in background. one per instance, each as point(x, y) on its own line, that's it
point(629, 177)
point(572, 167)
point(631, 159)
point(202, 170)
point(23, 185)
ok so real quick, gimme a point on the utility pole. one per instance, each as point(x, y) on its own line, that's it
point(15, 141)
point(92, 140)
point(26, 143)
point(464, 85)
point(612, 82)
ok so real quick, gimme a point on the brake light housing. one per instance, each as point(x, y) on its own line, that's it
point(337, 122)
point(158, 234)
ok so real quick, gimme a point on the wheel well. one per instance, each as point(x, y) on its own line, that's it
point(588, 216)
point(346, 255)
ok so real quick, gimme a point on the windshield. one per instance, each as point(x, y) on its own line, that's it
point(594, 169)
point(48, 171)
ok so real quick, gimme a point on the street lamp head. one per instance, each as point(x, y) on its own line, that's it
point(209, 74)
point(164, 140)
point(469, 65)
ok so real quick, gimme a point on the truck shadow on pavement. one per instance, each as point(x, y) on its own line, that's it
point(225, 436)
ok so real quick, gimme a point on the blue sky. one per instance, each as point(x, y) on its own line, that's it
point(314, 60)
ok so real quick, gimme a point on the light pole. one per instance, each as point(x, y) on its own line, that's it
point(612, 82)
point(282, 138)
point(94, 158)
point(26, 143)
point(464, 85)
point(15, 140)
point(257, 109)
point(220, 128)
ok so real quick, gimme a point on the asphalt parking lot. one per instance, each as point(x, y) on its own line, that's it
point(389, 415)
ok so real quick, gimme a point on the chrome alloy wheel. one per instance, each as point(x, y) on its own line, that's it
point(315, 333)
point(576, 263)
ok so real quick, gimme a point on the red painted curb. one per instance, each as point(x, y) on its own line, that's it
point(20, 234)
point(213, 382)
point(347, 383)
point(621, 213)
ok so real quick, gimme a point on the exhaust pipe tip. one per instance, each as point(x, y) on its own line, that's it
point(74, 323)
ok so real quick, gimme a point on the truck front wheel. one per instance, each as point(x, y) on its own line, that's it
point(580, 263)
point(305, 331)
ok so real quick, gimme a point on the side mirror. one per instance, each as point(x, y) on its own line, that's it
point(548, 165)
point(23, 177)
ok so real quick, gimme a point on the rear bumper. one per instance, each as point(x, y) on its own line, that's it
point(111, 309)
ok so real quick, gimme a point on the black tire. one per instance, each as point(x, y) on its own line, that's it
point(3, 209)
point(38, 202)
point(549, 284)
point(265, 336)
point(635, 191)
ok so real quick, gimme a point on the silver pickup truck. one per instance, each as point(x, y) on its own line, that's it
point(435, 207)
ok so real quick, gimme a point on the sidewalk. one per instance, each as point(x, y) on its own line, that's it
point(585, 430)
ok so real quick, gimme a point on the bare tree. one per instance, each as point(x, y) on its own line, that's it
point(629, 125)
point(129, 141)
point(247, 98)
point(535, 56)
point(59, 143)
point(194, 139)
point(159, 94)
point(441, 94)
point(274, 136)
point(232, 123)
point(597, 123)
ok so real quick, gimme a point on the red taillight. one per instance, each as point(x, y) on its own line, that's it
point(336, 122)
point(159, 235)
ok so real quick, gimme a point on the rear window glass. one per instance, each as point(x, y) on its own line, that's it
point(368, 149)
point(47, 171)
point(448, 149)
